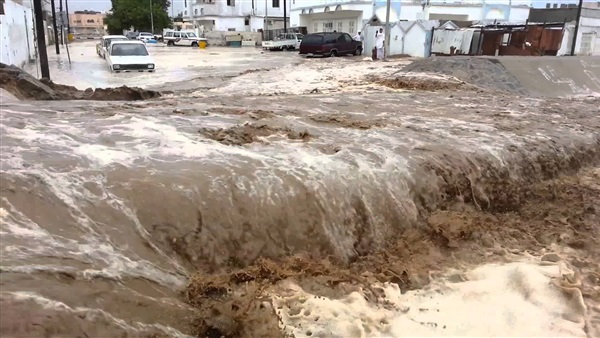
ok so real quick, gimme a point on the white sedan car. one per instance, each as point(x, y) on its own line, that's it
point(129, 56)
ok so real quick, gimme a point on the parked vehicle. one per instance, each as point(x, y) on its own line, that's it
point(132, 35)
point(129, 56)
point(181, 38)
point(286, 41)
point(145, 36)
point(105, 41)
point(329, 44)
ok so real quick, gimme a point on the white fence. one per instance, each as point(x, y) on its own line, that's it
point(17, 34)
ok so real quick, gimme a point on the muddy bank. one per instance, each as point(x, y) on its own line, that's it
point(558, 219)
point(26, 87)
point(421, 81)
point(249, 133)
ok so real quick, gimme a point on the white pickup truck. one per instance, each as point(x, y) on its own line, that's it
point(129, 56)
point(286, 41)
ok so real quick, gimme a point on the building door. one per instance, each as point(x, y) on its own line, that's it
point(587, 40)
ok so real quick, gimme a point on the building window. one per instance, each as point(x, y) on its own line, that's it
point(231, 3)
point(2, 7)
point(196, 11)
point(548, 5)
point(231, 29)
point(351, 27)
point(555, 6)
point(90, 20)
point(340, 27)
point(201, 11)
point(247, 22)
point(316, 27)
point(275, 3)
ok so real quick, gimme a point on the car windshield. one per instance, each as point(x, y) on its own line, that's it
point(128, 50)
point(191, 35)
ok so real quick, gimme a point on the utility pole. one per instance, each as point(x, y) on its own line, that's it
point(62, 24)
point(386, 48)
point(68, 21)
point(152, 16)
point(576, 31)
point(285, 16)
point(54, 27)
point(41, 38)
point(266, 19)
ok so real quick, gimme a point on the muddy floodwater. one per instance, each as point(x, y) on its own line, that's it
point(141, 219)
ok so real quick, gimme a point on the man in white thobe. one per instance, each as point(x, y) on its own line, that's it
point(360, 38)
point(379, 43)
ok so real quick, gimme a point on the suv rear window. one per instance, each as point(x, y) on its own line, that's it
point(312, 39)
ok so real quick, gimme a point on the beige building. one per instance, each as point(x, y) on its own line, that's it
point(87, 23)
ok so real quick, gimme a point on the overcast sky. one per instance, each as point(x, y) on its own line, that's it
point(104, 5)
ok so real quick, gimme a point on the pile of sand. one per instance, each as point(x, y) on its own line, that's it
point(26, 87)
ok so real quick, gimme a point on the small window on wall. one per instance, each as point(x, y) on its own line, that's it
point(275, 3)
point(351, 29)
point(2, 7)
point(231, 3)
point(231, 29)
point(316, 27)
point(247, 22)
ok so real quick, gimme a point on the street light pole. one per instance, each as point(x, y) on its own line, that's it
point(386, 49)
point(54, 27)
point(152, 16)
point(576, 31)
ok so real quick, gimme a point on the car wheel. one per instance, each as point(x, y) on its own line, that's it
point(284, 48)
point(171, 43)
point(358, 51)
point(333, 53)
point(194, 44)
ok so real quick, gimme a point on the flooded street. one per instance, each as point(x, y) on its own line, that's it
point(317, 178)
point(173, 64)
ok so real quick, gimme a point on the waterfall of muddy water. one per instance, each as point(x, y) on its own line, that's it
point(108, 208)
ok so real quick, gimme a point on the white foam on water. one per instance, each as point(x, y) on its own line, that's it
point(517, 299)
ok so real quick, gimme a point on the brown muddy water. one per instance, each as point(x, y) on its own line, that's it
point(109, 210)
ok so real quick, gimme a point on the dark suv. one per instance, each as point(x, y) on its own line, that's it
point(329, 44)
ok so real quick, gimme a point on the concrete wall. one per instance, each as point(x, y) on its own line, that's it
point(17, 34)
point(406, 38)
point(217, 38)
point(589, 29)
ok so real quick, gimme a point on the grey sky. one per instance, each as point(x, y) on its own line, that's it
point(104, 5)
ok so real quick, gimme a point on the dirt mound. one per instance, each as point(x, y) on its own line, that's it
point(484, 73)
point(415, 81)
point(563, 211)
point(256, 114)
point(26, 87)
point(249, 133)
point(346, 121)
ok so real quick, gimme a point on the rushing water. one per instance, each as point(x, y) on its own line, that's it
point(107, 208)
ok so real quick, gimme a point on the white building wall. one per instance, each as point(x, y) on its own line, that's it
point(16, 31)
point(233, 17)
point(410, 10)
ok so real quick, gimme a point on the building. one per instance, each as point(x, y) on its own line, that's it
point(235, 15)
point(16, 33)
point(352, 15)
point(87, 23)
